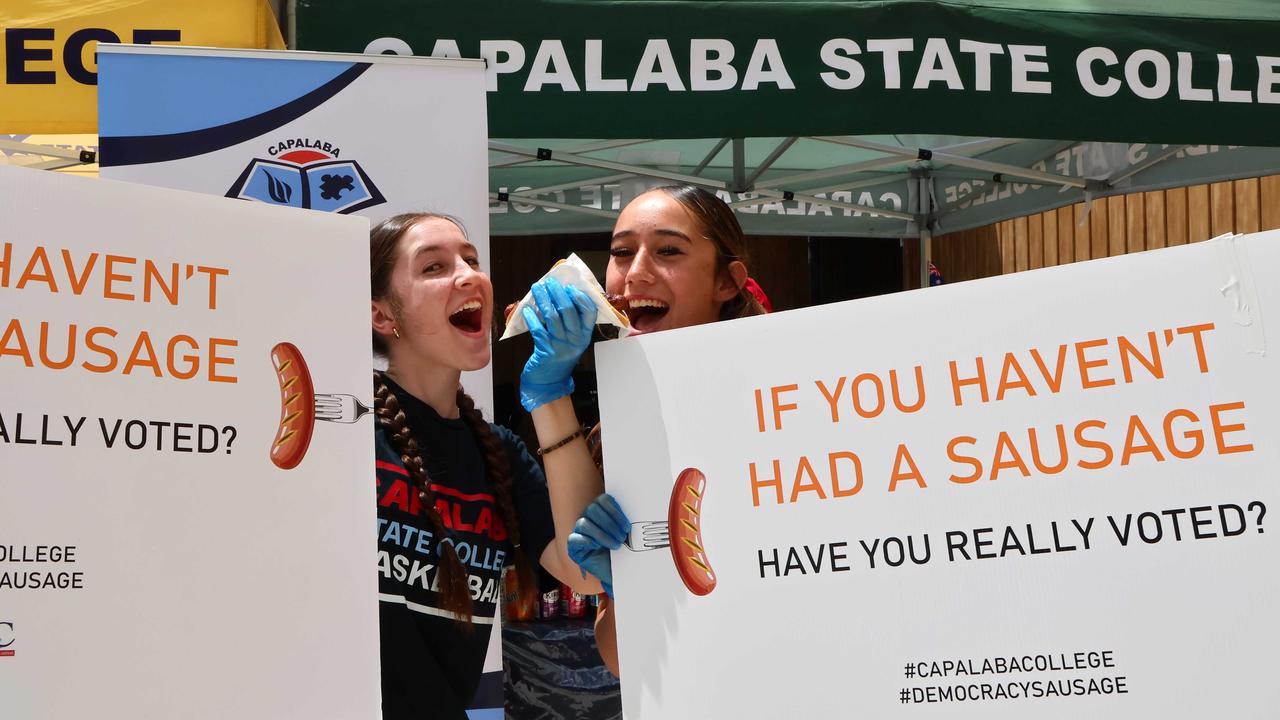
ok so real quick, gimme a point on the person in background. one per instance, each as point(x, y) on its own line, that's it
point(459, 499)
point(678, 257)
point(935, 276)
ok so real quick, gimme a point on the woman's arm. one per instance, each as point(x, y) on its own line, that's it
point(573, 481)
point(561, 329)
point(607, 635)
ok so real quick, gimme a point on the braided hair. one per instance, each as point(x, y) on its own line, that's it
point(451, 576)
point(498, 469)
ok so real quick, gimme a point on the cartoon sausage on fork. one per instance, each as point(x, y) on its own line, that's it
point(682, 532)
point(297, 406)
point(301, 407)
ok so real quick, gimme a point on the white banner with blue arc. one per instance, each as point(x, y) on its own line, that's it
point(338, 133)
point(188, 106)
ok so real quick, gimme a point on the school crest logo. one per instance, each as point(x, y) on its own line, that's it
point(307, 173)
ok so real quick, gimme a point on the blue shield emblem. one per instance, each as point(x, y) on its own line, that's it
point(271, 182)
point(339, 186)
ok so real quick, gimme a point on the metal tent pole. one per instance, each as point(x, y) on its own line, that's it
point(967, 162)
point(739, 164)
point(838, 171)
point(926, 255)
point(546, 155)
point(924, 204)
point(1147, 164)
point(710, 156)
point(769, 161)
point(590, 147)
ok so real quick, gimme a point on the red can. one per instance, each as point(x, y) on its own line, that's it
point(575, 604)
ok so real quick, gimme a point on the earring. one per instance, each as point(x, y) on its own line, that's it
point(396, 332)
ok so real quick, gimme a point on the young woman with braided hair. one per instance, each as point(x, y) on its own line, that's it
point(678, 257)
point(459, 499)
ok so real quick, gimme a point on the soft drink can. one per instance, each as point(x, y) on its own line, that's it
point(549, 604)
point(575, 604)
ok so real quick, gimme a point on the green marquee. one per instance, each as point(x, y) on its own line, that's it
point(851, 117)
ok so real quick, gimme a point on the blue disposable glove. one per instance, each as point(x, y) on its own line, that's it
point(561, 331)
point(602, 527)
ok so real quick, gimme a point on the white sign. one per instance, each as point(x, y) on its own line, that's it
point(178, 536)
point(351, 134)
point(1040, 495)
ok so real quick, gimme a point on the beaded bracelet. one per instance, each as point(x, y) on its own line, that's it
point(561, 443)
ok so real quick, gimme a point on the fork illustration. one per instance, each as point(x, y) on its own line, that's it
point(340, 408)
point(650, 535)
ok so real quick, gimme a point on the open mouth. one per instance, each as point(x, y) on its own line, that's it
point(468, 318)
point(645, 313)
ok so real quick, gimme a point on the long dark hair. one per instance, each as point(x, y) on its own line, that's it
point(720, 225)
point(454, 590)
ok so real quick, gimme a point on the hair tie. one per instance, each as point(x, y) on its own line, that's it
point(757, 292)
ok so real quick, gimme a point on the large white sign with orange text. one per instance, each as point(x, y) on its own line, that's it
point(181, 535)
point(1039, 495)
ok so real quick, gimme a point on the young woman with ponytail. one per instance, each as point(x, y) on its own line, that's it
point(678, 257)
point(459, 499)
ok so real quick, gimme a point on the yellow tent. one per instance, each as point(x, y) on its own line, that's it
point(48, 68)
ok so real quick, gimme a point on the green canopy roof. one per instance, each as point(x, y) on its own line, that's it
point(815, 115)
point(1238, 9)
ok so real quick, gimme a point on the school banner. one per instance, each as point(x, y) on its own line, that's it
point(1177, 71)
point(1046, 495)
point(182, 534)
point(50, 72)
point(349, 134)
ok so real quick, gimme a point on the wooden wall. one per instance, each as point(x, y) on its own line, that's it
point(1114, 226)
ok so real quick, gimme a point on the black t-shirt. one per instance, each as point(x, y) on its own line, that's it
point(430, 665)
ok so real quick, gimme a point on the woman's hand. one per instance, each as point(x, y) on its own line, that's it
point(602, 527)
point(561, 331)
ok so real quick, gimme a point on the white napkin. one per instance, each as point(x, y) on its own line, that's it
point(571, 271)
